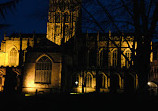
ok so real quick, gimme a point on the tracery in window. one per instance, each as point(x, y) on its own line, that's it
point(43, 71)
point(114, 58)
point(57, 17)
point(13, 57)
point(88, 80)
point(128, 55)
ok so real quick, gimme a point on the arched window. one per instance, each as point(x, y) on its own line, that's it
point(57, 17)
point(13, 57)
point(43, 71)
point(67, 30)
point(114, 58)
point(66, 17)
point(103, 81)
point(57, 30)
point(92, 57)
point(88, 80)
point(103, 58)
point(128, 55)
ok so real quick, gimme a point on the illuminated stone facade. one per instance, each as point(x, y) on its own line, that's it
point(62, 20)
point(102, 57)
point(98, 55)
point(40, 68)
point(66, 60)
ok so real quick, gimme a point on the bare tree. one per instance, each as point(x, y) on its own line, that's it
point(6, 7)
point(137, 16)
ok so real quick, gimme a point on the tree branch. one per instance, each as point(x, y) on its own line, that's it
point(112, 41)
point(127, 9)
point(154, 20)
point(8, 5)
point(112, 20)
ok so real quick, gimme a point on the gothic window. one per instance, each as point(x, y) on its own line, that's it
point(43, 71)
point(82, 57)
point(92, 58)
point(13, 56)
point(88, 80)
point(66, 30)
point(57, 17)
point(128, 55)
point(58, 30)
point(66, 17)
point(74, 17)
point(114, 58)
point(103, 58)
point(102, 81)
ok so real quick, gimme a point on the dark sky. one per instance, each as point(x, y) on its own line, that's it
point(29, 16)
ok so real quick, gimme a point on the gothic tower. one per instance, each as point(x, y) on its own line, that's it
point(63, 19)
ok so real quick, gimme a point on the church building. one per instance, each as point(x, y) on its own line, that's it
point(65, 59)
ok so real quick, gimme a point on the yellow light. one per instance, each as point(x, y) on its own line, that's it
point(149, 83)
point(29, 95)
point(76, 82)
point(73, 93)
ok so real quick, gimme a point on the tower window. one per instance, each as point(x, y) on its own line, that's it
point(43, 71)
point(66, 17)
point(13, 57)
point(57, 30)
point(66, 30)
point(57, 17)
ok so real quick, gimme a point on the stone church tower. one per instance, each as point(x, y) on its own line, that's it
point(63, 18)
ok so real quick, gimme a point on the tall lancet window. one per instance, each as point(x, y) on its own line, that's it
point(88, 80)
point(128, 55)
point(57, 17)
point(114, 58)
point(13, 57)
point(43, 70)
point(66, 17)
point(103, 58)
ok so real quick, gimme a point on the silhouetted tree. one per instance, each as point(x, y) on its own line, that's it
point(7, 7)
point(10, 82)
point(137, 16)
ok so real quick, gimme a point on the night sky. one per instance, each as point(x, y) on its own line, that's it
point(29, 16)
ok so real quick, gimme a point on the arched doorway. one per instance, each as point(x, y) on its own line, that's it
point(114, 83)
point(10, 85)
point(129, 83)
